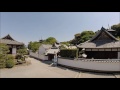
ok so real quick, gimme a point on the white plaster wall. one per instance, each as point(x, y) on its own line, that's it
point(93, 65)
point(43, 57)
point(41, 50)
point(39, 56)
point(14, 50)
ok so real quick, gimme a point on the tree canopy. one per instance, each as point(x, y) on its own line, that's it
point(66, 43)
point(86, 35)
point(34, 46)
point(82, 37)
point(117, 30)
point(50, 40)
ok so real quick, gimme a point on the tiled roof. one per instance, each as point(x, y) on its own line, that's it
point(8, 37)
point(9, 40)
point(6, 41)
point(99, 32)
point(110, 30)
point(110, 42)
point(46, 46)
point(52, 51)
point(100, 44)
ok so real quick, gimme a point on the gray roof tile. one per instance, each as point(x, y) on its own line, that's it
point(46, 46)
point(5, 41)
point(92, 43)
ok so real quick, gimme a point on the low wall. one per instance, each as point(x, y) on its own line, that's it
point(112, 66)
point(38, 56)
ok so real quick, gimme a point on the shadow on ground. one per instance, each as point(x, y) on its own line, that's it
point(50, 63)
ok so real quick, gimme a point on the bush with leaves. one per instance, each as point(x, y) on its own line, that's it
point(3, 54)
point(4, 49)
point(2, 61)
point(22, 51)
point(18, 56)
point(69, 53)
point(10, 61)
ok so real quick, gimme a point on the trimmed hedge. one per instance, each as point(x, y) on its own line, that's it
point(70, 53)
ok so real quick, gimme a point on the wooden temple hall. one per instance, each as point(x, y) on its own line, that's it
point(102, 46)
point(12, 44)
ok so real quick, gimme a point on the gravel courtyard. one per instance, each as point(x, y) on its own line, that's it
point(39, 69)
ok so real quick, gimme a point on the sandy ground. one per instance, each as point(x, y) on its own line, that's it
point(39, 69)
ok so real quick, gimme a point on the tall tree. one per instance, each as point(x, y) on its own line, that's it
point(117, 30)
point(50, 40)
point(86, 35)
point(34, 46)
point(82, 37)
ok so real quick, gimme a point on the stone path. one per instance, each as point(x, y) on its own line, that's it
point(39, 69)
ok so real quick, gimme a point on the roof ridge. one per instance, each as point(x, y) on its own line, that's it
point(8, 36)
point(99, 32)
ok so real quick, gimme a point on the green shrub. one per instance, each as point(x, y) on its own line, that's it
point(10, 63)
point(23, 58)
point(2, 61)
point(2, 65)
point(9, 57)
point(18, 56)
point(70, 53)
point(22, 51)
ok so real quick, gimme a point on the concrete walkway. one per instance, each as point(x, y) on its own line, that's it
point(39, 69)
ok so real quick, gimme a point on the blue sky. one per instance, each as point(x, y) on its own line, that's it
point(31, 26)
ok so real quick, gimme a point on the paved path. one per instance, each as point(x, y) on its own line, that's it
point(39, 69)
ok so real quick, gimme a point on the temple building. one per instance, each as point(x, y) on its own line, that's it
point(49, 50)
point(12, 44)
point(102, 46)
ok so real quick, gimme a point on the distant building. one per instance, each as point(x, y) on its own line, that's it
point(44, 48)
point(12, 44)
point(111, 31)
point(102, 46)
point(49, 50)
